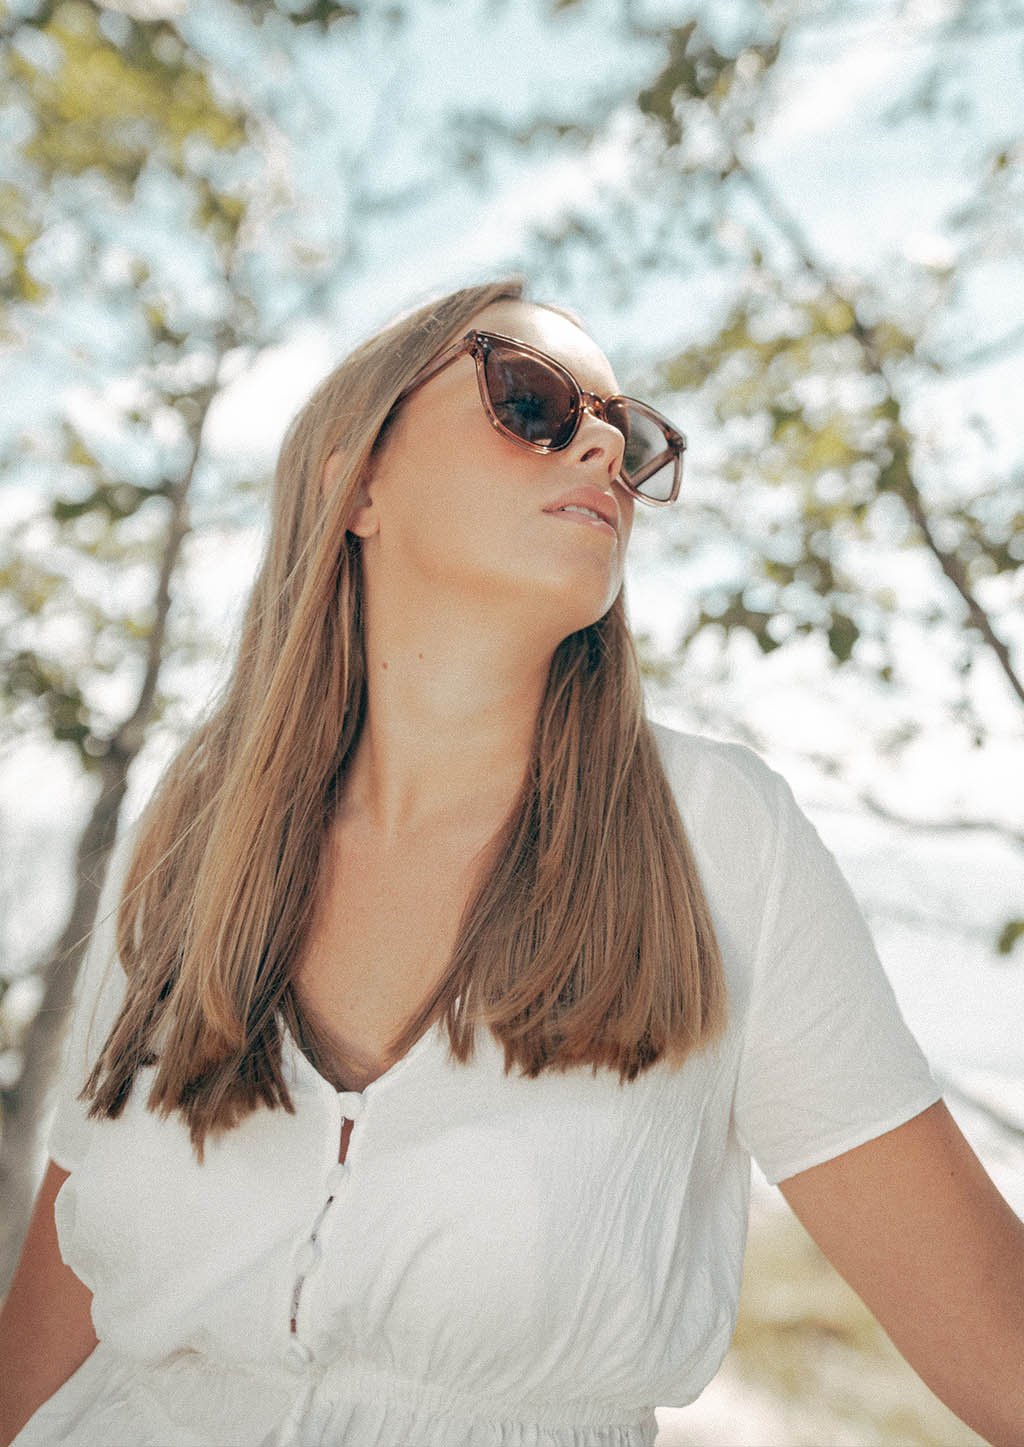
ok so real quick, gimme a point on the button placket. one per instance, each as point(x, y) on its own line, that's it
point(350, 1105)
point(351, 1102)
point(336, 1178)
point(299, 1355)
point(306, 1259)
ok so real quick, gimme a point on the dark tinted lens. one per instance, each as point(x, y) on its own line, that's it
point(648, 463)
point(529, 398)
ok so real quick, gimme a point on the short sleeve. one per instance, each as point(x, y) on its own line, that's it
point(97, 998)
point(828, 1061)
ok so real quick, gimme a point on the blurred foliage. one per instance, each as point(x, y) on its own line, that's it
point(19, 229)
point(1011, 932)
point(110, 105)
point(109, 102)
point(699, 80)
point(841, 450)
point(101, 102)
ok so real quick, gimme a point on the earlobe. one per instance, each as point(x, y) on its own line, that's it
point(364, 519)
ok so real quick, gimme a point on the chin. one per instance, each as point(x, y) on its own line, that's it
point(578, 603)
point(577, 615)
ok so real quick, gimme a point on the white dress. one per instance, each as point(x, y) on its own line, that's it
point(499, 1262)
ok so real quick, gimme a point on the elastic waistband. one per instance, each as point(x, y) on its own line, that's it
point(346, 1380)
point(342, 1378)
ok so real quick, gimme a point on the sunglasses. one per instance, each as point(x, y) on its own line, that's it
point(536, 402)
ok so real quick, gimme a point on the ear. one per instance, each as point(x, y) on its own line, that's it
point(364, 519)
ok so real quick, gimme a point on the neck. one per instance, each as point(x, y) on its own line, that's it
point(450, 719)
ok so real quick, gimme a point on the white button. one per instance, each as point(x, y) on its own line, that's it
point(298, 1356)
point(351, 1104)
point(308, 1256)
point(335, 1178)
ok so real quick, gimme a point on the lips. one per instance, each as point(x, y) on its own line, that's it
point(594, 499)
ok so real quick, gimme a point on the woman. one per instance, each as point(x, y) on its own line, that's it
point(460, 995)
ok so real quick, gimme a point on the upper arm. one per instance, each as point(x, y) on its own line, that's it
point(915, 1225)
point(46, 1329)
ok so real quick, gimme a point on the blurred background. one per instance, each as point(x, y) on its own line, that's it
point(795, 226)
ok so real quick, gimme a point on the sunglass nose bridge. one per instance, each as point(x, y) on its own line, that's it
point(595, 405)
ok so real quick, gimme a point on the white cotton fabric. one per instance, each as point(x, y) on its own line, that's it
point(500, 1262)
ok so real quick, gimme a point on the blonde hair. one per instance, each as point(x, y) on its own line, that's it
point(588, 939)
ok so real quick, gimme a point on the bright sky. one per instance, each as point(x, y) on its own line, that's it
point(863, 194)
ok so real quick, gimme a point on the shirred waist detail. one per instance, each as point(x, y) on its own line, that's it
point(374, 1384)
point(343, 1380)
point(340, 1378)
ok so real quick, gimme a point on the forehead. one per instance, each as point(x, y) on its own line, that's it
point(552, 333)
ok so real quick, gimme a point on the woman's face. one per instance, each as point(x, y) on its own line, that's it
point(457, 505)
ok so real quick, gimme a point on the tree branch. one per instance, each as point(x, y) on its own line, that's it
point(933, 826)
point(950, 564)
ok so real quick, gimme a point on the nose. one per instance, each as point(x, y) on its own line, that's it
point(608, 440)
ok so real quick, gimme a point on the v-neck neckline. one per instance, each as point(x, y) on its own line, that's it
point(304, 1064)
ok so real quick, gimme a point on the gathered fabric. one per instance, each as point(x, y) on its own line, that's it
point(498, 1261)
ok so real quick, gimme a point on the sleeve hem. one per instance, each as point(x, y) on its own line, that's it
point(860, 1136)
point(67, 1156)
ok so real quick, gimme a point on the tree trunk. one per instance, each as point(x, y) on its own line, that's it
point(23, 1103)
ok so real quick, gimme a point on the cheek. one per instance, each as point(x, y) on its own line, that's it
point(463, 469)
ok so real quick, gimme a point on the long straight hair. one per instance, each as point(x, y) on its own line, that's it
point(588, 939)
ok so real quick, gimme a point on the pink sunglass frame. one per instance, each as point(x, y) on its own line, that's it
point(479, 343)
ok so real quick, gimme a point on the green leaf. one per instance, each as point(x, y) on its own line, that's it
point(1011, 932)
point(113, 108)
point(842, 635)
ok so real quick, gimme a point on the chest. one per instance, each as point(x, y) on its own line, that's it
point(475, 1206)
point(380, 940)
